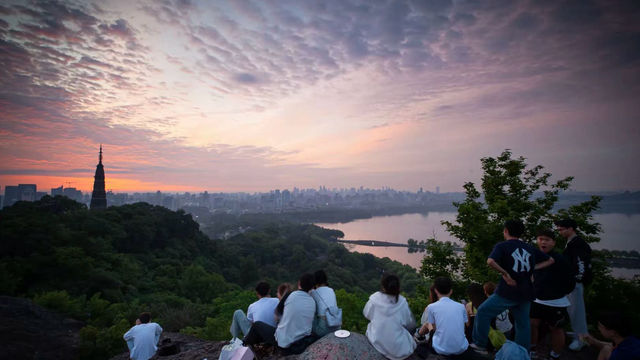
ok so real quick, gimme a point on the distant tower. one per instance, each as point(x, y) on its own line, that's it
point(99, 196)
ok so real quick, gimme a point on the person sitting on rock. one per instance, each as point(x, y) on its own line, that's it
point(616, 327)
point(390, 320)
point(142, 338)
point(325, 299)
point(284, 290)
point(448, 319)
point(293, 333)
point(261, 310)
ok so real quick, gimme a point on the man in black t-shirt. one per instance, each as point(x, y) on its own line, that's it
point(515, 261)
point(578, 252)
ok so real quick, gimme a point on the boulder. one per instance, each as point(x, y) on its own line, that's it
point(29, 331)
point(355, 346)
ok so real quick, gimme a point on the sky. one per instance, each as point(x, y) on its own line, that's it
point(245, 95)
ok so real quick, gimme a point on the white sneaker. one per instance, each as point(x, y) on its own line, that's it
point(577, 345)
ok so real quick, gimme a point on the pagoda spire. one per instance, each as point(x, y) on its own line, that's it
point(99, 195)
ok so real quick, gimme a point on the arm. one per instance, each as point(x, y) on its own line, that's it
point(583, 260)
point(128, 335)
point(505, 275)
point(158, 333)
point(426, 328)
point(367, 310)
point(544, 264)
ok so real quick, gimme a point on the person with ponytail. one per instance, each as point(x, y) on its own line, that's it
point(391, 321)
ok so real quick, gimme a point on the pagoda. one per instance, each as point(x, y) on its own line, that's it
point(99, 196)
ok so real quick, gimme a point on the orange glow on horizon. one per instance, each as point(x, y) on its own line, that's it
point(85, 184)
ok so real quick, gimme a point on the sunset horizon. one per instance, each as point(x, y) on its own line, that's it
point(253, 96)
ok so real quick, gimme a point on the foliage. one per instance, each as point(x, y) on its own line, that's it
point(441, 260)
point(352, 305)
point(511, 190)
point(105, 267)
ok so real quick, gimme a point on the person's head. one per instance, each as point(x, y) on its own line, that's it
point(513, 229)
point(476, 294)
point(321, 278)
point(546, 241)
point(433, 297)
point(612, 324)
point(489, 287)
point(283, 289)
point(262, 289)
point(306, 282)
point(145, 317)
point(390, 285)
point(566, 227)
point(443, 286)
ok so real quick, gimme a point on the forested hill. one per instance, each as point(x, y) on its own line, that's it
point(104, 267)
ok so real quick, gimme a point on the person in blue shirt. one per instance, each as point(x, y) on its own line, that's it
point(142, 339)
point(515, 260)
point(616, 327)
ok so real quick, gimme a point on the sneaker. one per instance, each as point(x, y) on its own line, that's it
point(554, 355)
point(577, 345)
point(480, 350)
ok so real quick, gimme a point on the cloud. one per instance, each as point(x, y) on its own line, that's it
point(198, 79)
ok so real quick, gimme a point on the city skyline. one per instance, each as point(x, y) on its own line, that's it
point(253, 96)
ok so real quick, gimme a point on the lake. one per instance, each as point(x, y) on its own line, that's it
point(619, 232)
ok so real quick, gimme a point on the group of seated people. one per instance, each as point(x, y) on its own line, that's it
point(292, 321)
point(533, 295)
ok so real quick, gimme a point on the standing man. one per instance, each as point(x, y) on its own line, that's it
point(142, 339)
point(261, 310)
point(515, 261)
point(551, 284)
point(578, 252)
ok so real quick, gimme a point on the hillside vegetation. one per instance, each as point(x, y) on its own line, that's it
point(105, 267)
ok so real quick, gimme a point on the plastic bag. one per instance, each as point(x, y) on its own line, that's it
point(497, 338)
point(512, 351)
point(228, 350)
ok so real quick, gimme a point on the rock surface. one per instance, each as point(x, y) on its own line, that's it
point(28, 331)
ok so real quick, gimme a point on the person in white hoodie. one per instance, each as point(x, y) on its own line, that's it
point(390, 320)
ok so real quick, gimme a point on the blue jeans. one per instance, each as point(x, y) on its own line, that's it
point(240, 324)
point(491, 308)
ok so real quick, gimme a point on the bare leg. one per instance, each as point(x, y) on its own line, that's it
point(535, 331)
point(557, 339)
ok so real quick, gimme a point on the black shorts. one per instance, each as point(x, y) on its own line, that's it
point(553, 316)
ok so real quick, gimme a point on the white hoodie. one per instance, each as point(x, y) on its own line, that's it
point(387, 331)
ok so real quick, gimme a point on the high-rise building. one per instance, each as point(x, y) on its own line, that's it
point(27, 192)
point(10, 195)
point(99, 195)
point(57, 191)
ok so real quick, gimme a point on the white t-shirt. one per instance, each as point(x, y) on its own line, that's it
point(449, 317)
point(145, 338)
point(328, 299)
point(562, 302)
point(297, 319)
point(262, 310)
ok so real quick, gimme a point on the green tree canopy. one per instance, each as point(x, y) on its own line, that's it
point(512, 190)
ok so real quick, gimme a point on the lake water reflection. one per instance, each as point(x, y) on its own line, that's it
point(620, 232)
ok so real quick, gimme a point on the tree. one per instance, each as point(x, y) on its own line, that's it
point(511, 190)
point(440, 260)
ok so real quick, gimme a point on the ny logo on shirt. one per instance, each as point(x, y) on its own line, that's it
point(521, 260)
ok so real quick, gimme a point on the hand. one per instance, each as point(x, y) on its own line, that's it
point(509, 280)
point(138, 322)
